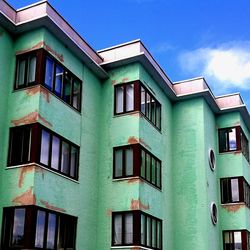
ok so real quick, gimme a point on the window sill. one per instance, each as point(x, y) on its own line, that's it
point(135, 179)
point(42, 167)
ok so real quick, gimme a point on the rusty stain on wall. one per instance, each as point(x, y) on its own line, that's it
point(49, 206)
point(39, 89)
point(39, 45)
point(125, 79)
point(27, 198)
point(109, 212)
point(28, 169)
point(113, 82)
point(53, 52)
point(137, 204)
point(134, 140)
point(233, 208)
point(135, 180)
point(30, 118)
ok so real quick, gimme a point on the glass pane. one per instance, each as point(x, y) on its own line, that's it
point(32, 69)
point(153, 110)
point(158, 116)
point(153, 233)
point(158, 174)
point(159, 234)
point(153, 166)
point(129, 162)
point(143, 159)
point(148, 166)
point(49, 73)
point(18, 227)
point(237, 241)
point(67, 88)
point(76, 94)
point(143, 109)
point(55, 152)
point(65, 158)
point(148, 105)
point(128, 237)
point(235, 190)
point(143, 231)
point(118, 162)
point(129, 97)
point(40, 227)
point(59, 80)
point(149, 243)
point(73, 161)
point(232, 139)
point(16, 146)
point(20, 80)
point(119, 100)
point(117, 234)
point(44, 155)
point(26, 144)
point(51, 231)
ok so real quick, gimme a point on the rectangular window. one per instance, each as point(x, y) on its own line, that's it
point(39, 67)
point(48, 149)
point(135, 97)
point(236, 240)
point(34, 227)
point(234, 190)
point(233, 139)
point(135, 160)
point(136, 228)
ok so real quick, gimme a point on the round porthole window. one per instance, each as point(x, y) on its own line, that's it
point(211, 157)
point(214, 213)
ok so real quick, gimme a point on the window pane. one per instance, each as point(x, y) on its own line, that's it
point(40, 226)
point(67, 88)
point(44, 155)
point(59, 80)
point(117, 234)
point(143, 109)
point(153, 166)
point(158, 174)
point(118, 162)
point(73, 161)
point(148, 166)
point(128, 237)
point(20, 80)
point(159, 229)
point(158, 116)
point(237, 241)
point(129, 97)
point(143, 227)
point(225, 190)
point(232, 139)
point(129, 162)
point(235, 190)
point(119, 99)
point(51, 231)
point(32, 69)
point(148, 105)
point(143, 159)
point(65, 158)
point(149, 242)
point(153, 233)
point(49, 73)
point(55, 152)
point(76, 95)
point(18, 227)
point(153, 110)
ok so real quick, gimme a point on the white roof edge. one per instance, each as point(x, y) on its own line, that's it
point(31, 5)
point(190, 79)
point(226, 95)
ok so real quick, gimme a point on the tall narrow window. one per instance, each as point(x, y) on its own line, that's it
point(40, 229)
point(58, 80)
point(67, 85)
point(135, 97)
point(136, 228)
point(49, 73)
point(45, 147)
point(236, 240)
point(135, 160)
point(232, 139)
point(18, 227)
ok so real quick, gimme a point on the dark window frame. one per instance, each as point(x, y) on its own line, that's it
point(35, 149)
point(243, 188)
point(137, 102)
point(244, 239)
point(31, 212)
point(41, 55)
point(137, 162)
point(241, 141)
point(137, 215)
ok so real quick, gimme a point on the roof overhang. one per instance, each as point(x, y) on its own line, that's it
point(42, 14)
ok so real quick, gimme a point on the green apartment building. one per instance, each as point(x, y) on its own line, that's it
point(99, 150)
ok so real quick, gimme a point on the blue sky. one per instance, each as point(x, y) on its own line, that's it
point(191, 38)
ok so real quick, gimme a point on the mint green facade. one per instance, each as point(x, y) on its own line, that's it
point(189, 129)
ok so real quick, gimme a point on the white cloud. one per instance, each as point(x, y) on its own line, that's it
point(228, 64)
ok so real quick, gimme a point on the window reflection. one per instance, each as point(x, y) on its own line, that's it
point(55, 152)
point(51, 231)
point(119, 99)
point(117, 229)
point(65, 158)
point(59, 80)
point(235, 190)
point(18, 227)
point(49, 73)
point(128, 228)
point(40, 228)
point(129, 97)
point(45, 143)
